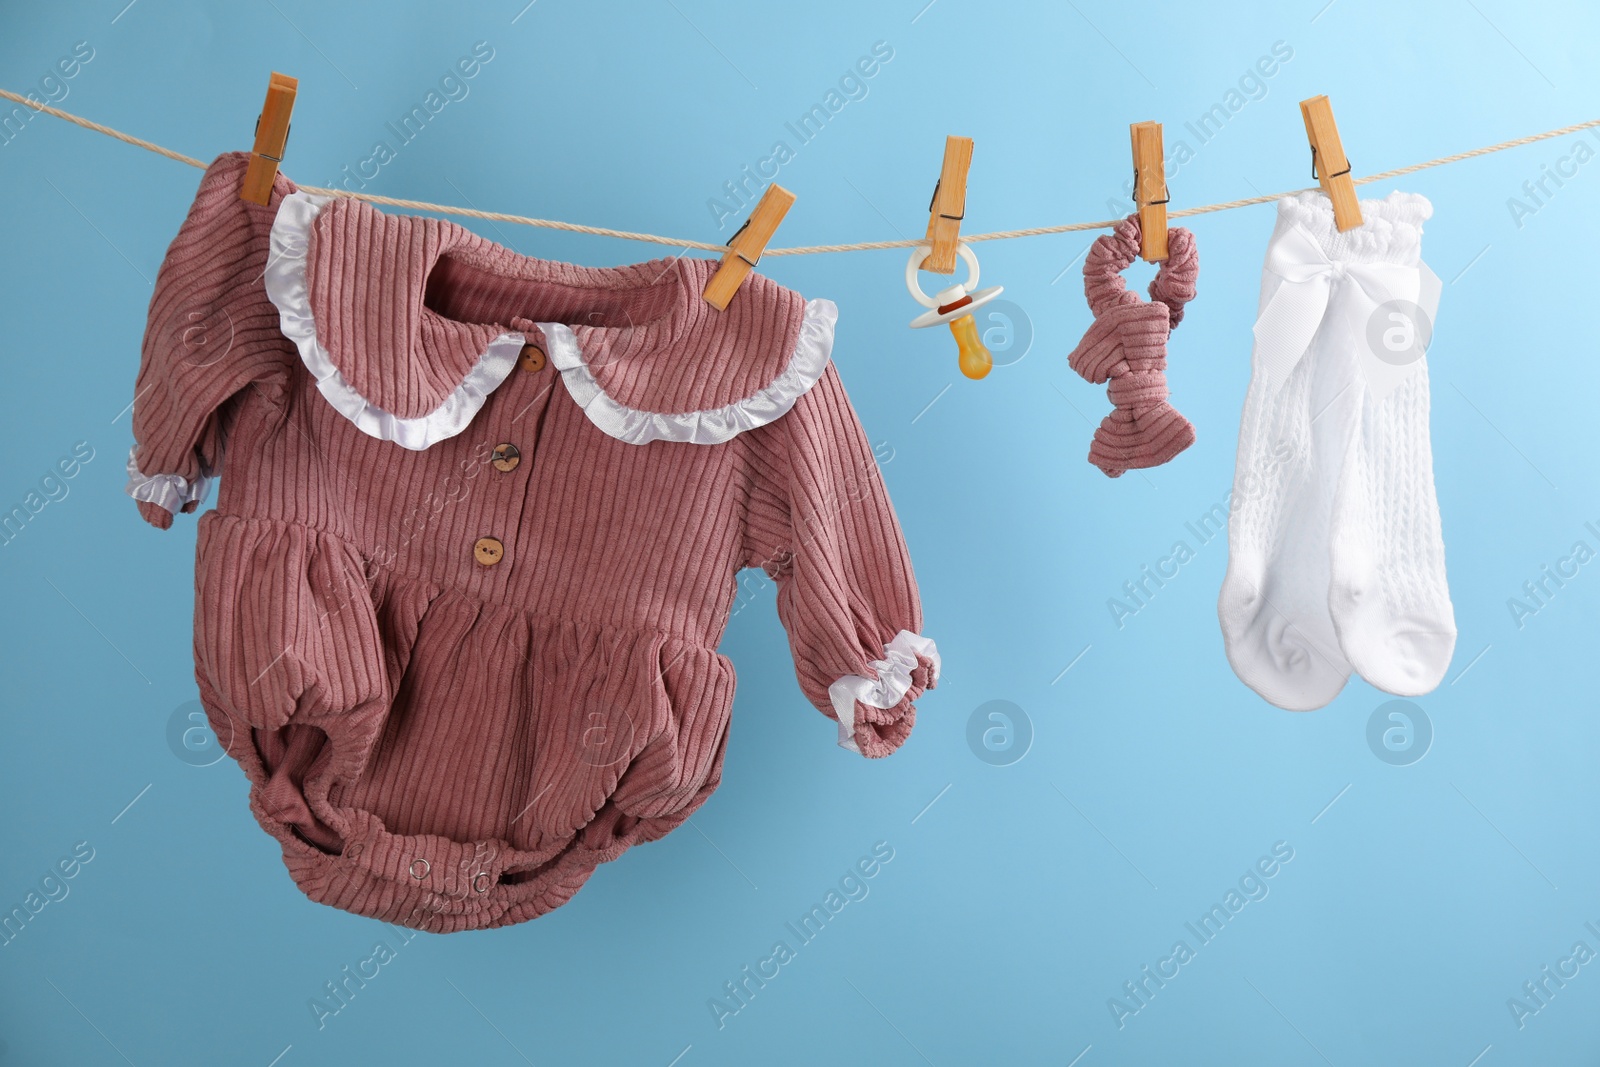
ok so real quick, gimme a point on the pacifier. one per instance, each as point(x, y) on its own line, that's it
point(954, 305)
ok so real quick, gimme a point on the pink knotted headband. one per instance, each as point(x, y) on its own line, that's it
point(1127, 345)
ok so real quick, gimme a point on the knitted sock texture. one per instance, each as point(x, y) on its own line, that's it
point(1273, 607)
point(1336, 561)
point(1126, 345)
point(1388, 595)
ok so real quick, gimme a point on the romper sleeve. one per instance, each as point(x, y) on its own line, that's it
point(210, 332)
point(820, 524)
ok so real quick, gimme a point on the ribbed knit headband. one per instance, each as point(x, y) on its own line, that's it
point(1127, 345)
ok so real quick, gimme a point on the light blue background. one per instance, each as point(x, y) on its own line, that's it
point(1420, 898)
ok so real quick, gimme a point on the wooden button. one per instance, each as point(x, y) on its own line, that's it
point(506, 457)
point(532, 357)
point(488, 551)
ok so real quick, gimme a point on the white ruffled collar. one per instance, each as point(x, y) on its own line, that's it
point(629, 380)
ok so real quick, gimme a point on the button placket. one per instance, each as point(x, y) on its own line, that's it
point(507, 456)
point(489, 550)
point(531, 426)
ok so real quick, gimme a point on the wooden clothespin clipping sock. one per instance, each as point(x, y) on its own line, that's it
point(1329, 163)
point(948, 206)
point(1150, 190)
point(745, 249)
point(272, 133)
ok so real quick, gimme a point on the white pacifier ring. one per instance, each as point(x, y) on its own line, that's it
point(960, 295)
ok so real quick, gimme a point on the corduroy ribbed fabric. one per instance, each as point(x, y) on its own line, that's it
point(453, 744)
point(1126, 345)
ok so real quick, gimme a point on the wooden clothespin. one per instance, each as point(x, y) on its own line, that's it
point(1150, 190)
point(948, 205)
point(745, 249)
point(272, 133)
point(1329, 164)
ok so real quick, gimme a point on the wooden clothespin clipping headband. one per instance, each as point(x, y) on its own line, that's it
point(1150, 190)
point(948, 206)
point(1329, 164)
point(745, 249)
point(272, 133)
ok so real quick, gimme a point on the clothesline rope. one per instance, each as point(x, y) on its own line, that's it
point(860, 246)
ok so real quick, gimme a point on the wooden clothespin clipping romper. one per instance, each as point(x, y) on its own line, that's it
point(1329, 164)
point(744, 250)
point(272, 133)
point(938, 253)
point(1150, 190)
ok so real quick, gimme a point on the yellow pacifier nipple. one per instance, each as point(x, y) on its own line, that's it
point(974, 359)
point(954, 306)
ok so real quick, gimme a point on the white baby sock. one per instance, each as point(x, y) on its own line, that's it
point(1388, 596)
point(1335, 555)
point(1296, 426)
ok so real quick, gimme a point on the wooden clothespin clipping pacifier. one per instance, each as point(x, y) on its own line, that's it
point(948, 205)
point(745, 248)
point(938, 253)
point(1329, 165)
point(1150, 190)
point(272, 133)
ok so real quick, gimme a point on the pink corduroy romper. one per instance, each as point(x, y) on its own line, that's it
point(479, 524)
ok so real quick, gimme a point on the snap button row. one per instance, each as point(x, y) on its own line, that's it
point(481, 881)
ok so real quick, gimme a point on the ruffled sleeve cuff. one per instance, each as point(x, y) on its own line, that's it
point(876, 713)
point(160, 496)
